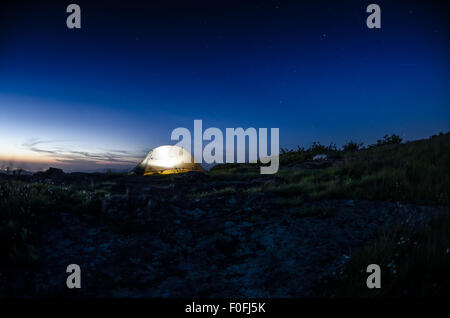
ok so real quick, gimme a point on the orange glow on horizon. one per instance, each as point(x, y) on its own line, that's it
point(28, 158)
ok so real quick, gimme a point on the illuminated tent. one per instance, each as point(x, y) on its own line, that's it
point(167, 160)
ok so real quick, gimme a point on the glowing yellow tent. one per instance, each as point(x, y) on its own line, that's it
point(167, 160)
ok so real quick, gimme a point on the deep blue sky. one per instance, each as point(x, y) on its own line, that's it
point(117, 87)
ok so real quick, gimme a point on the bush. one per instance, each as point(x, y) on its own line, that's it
point(317, 147)
point(389, 140)
point(352, 146)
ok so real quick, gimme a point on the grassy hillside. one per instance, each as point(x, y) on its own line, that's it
point(415, 172)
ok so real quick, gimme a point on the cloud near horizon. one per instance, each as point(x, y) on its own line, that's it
point(63, 154)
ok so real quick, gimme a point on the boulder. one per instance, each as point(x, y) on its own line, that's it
point(320, 157)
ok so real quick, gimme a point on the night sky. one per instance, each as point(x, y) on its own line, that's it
point(105, 94)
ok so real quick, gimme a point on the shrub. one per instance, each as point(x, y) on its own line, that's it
point(352, 146)
point(389, 140)
point(317, 147)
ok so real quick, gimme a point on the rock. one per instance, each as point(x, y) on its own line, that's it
point(232, 201)
point(196, 213)
point(320, 157)
point(350, 203)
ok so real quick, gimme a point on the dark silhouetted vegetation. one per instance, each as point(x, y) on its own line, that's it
point(352, 146)
point(415, 264)
point(389, 140)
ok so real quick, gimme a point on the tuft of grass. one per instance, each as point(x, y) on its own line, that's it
point(253, 190)
point(289, 202)
point(219, 192)
point(235, 171)
point(22, 205)
point(414, 263)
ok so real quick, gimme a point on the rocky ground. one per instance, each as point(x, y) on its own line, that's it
point(150, 240)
